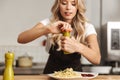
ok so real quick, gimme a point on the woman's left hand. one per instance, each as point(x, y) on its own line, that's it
point(69, 45)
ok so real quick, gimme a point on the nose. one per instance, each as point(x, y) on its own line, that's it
point(68, 6)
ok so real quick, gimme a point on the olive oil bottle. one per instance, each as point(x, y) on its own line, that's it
point(66, 34)
point(8, 71)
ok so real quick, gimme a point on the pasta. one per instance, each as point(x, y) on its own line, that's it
point(68, 72)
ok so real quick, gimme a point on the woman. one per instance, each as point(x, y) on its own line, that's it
point(67, 15)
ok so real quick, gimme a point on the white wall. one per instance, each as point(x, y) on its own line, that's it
point(110, 11)
point(19, 15)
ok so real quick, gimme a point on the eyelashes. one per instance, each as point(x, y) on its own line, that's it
point(65, 3)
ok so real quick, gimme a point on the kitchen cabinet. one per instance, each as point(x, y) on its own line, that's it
point(45, 77)
point(34, 70)
point(25, 71)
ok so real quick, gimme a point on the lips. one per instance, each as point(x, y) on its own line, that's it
point(68, 13)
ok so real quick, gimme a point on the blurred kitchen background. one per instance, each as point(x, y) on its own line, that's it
point(19, 15)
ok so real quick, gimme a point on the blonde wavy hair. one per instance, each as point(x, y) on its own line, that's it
point(78, 22)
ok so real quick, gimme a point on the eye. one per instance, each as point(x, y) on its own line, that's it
point(64, 3)
point(73, 4)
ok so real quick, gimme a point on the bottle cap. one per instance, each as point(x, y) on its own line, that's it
point(9, 55)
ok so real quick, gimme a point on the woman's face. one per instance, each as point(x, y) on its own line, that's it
point(68, 9)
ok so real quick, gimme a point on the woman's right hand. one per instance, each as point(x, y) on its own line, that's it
point(59, 26)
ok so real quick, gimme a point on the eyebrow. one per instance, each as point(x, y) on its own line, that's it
point(67, 0)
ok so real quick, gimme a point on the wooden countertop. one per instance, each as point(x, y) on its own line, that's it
point(45, 77)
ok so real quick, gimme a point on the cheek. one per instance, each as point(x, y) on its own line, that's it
point(75, 11)
point(61, 10)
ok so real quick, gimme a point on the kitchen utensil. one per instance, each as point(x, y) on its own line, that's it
point(25, 61)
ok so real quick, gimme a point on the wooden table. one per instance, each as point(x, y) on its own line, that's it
point(45, 77)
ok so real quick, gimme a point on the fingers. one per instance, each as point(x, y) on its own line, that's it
point(73, 38)
point(68, 44)
point(64, 26)
point(60, 26)
point(67, 40)
point(64, 42)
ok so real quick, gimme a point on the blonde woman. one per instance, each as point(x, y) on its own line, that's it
point(67, 15)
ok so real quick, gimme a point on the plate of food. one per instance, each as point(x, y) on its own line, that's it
point(69, 74)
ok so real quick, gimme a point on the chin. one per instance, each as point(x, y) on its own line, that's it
point(68, 18)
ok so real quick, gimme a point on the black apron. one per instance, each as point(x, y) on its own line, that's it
point(59, 61)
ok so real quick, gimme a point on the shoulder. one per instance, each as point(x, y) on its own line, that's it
point(45, 21)
point(89, 29)
point(88, 25)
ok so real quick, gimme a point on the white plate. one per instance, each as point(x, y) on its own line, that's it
point(87, 76)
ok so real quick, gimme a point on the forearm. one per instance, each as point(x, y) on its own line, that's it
point(33, 33)
point(92, 55)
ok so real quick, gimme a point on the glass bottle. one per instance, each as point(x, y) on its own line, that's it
point(66, 34)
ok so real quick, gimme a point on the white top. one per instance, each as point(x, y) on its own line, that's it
point(89, 29)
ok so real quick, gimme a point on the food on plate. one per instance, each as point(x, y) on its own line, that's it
point(68, 72)
point(87, 75)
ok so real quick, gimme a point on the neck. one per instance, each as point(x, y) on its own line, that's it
point(68, 21)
